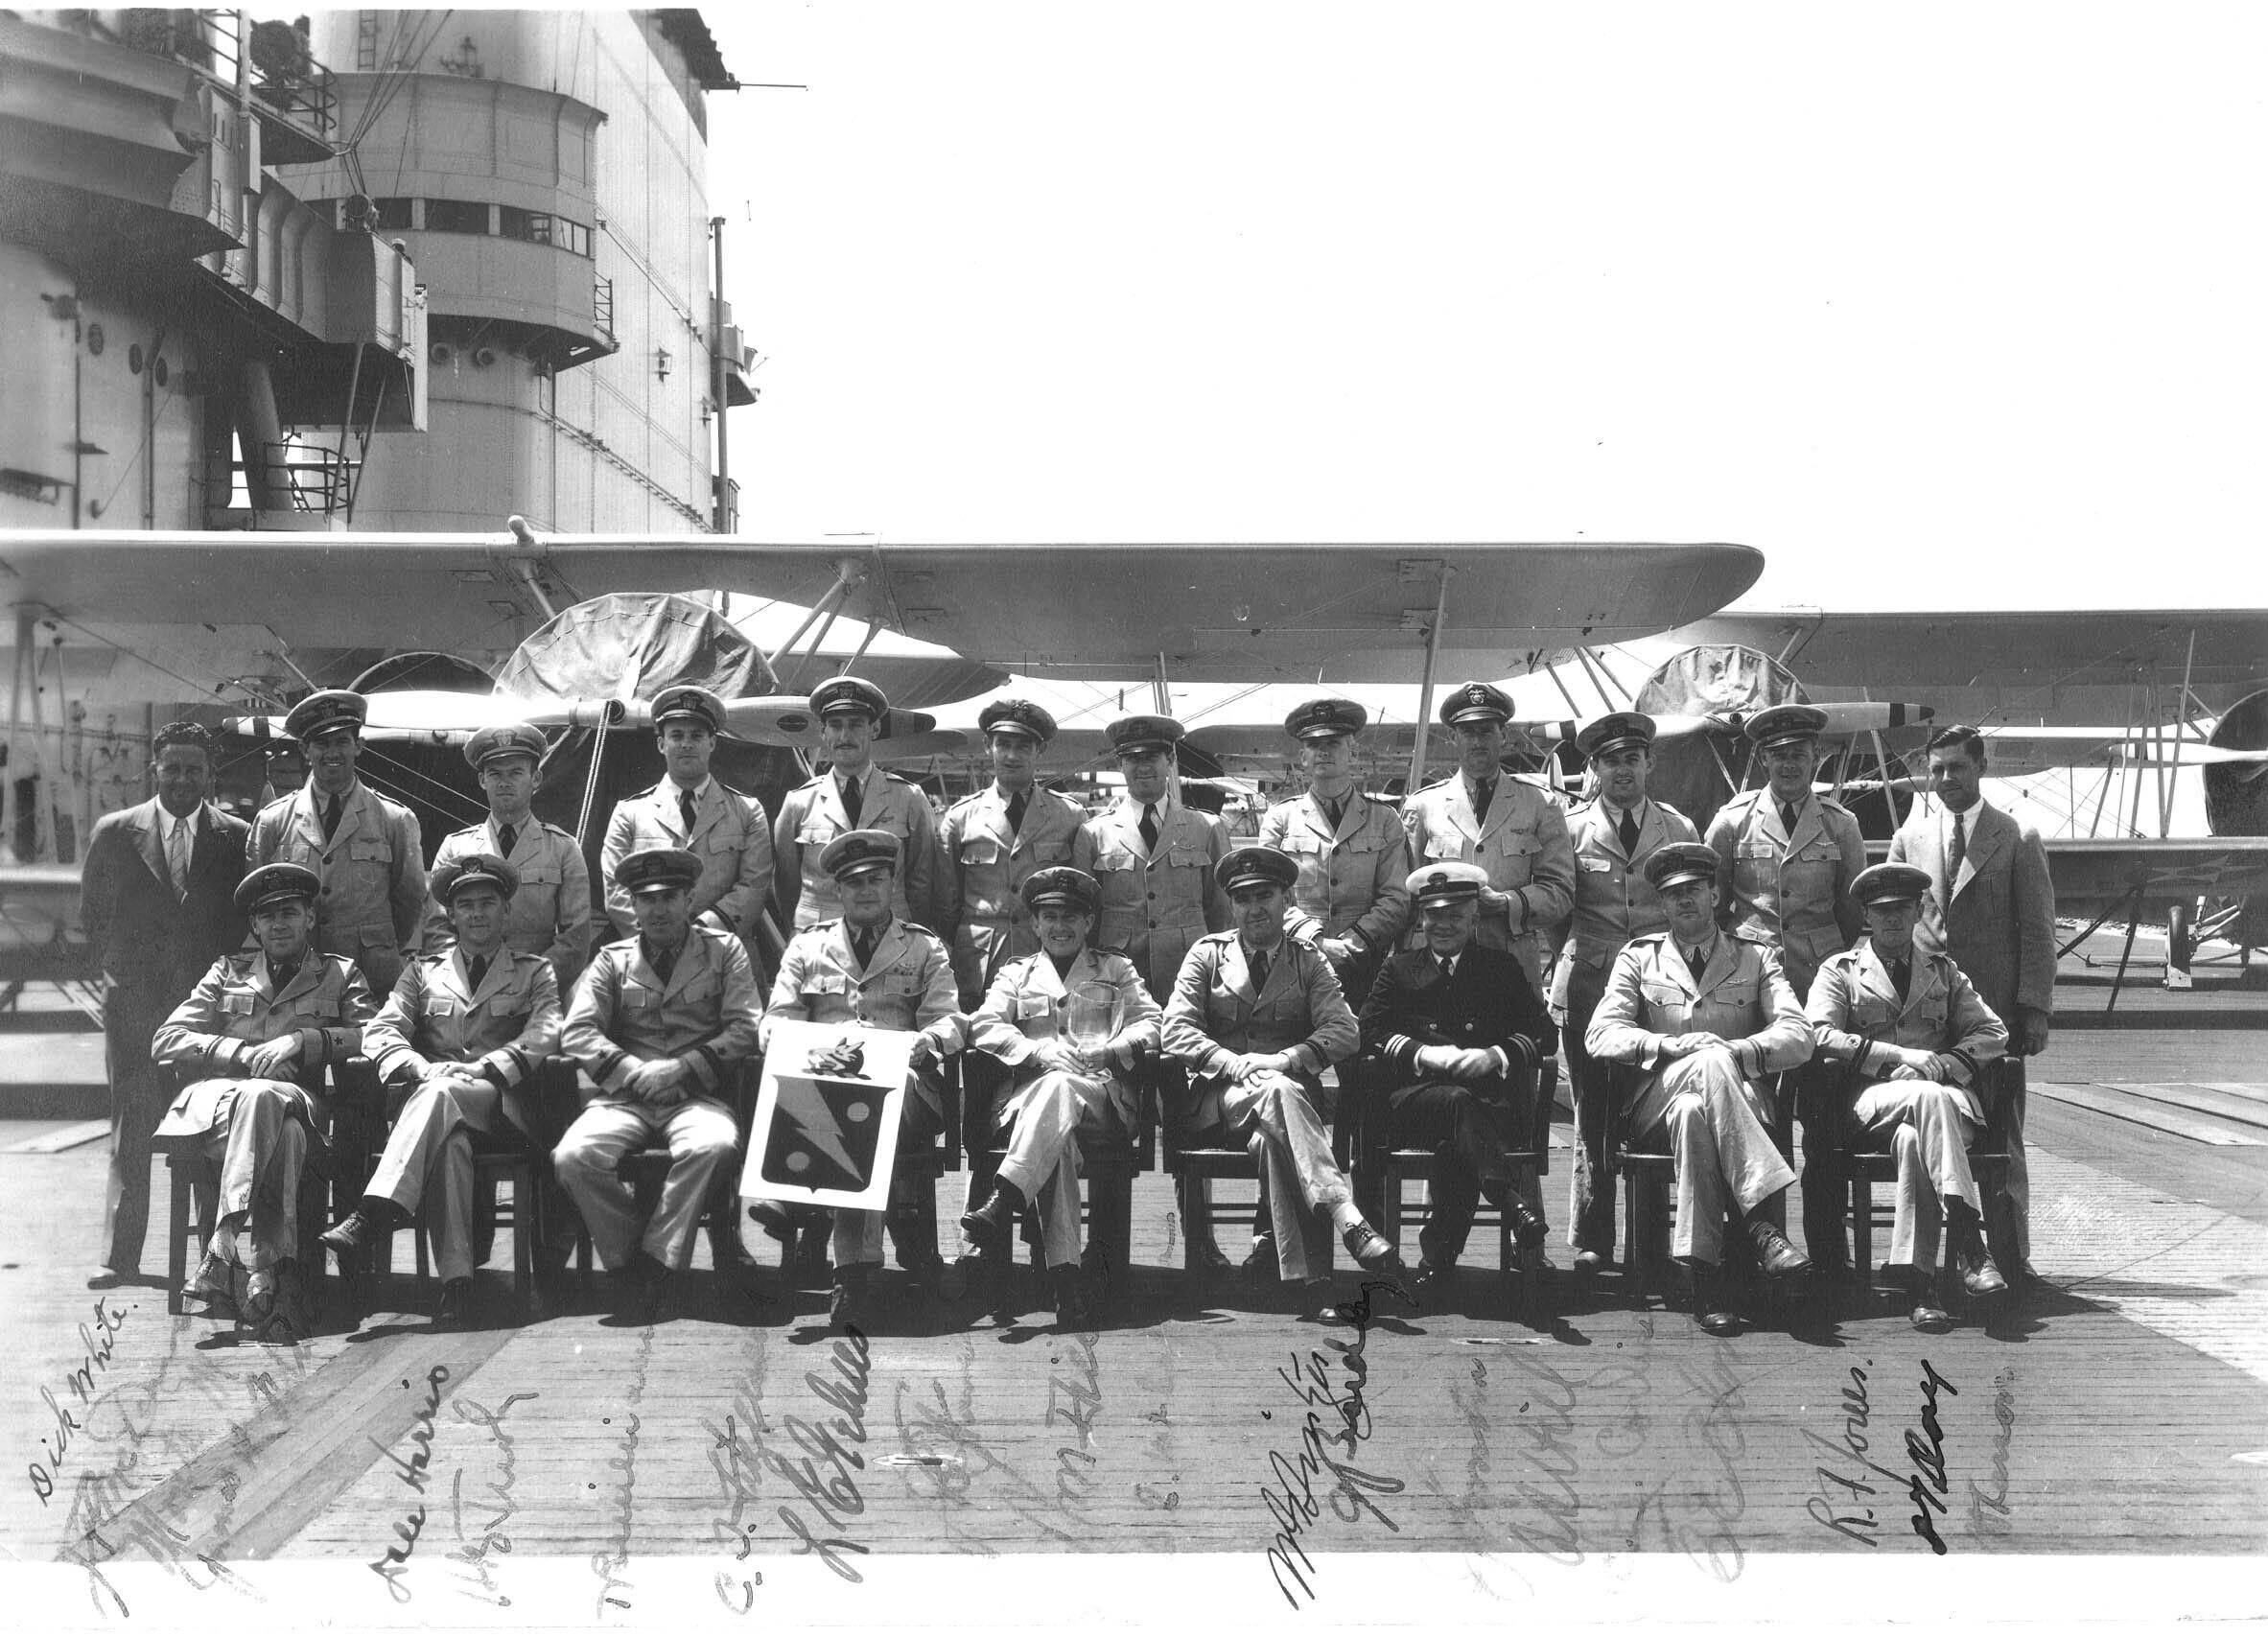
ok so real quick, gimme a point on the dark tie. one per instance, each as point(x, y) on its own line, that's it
point(331, 814)
point(1788, 811)
point(863, 948)
point(1484, 792)
point(685, 811)
point(1332, 811)
point(851, 798)
point(1629, 832)
point(1901, 975)
point(662, 961)
point(1150, 827)
point(1448, 965)
point(507, 836)
point(1018, 805)
point(476, 969)
point(1959, 850)
point(278, 976)
point(1697, 962)
point(1259, 969)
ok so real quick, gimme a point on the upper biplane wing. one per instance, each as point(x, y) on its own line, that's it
point(419, 715)
point(1351, 612)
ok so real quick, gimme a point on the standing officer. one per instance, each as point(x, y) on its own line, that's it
point(1791, 857)
point(660, 1023)
point(156, 896)
point(259, 1030)
point(1914, 1032)
point(1069, 1022)
point(1154, 860)
point(1992, 908)
point(990, 843)
point(362, 847)
point(1614, 835)
point(1351, 896)
point(692, 812)
point(550, 913)
point(1257, 1017)
point(869, 966)
point(462, 1033)
point(1463, 1035)
point(1705, 1017)
point(852, 794)
point(1506, 825)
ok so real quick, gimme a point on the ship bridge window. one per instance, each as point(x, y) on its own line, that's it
point(456, 216)
point(538, 228)
point(394, 215)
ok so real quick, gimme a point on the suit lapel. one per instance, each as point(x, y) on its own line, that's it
point(149, 821)
point(1461, 807)
point(350, 818)
point(300, 981)
point(1986, 837)
point(1875, 977)
point(992, 815)
point(1500, 805)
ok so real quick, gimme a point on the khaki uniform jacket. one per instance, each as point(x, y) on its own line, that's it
point(1353, 879)
point(2001, 924)
point(235, 1007)
point(706, 1013)
point(1857, 1014)
point(1743, 997)
point(1157, 903)
point(812, 815)
point(372, 901)
point(504, 1028)
point(728, 834)
point(1524, 846)
point(985, 866)
point(908, 985)
point(548, 915)
point(1614, 902)
point(1100, 1002)
point(1215, 1014)
point(1791, 892)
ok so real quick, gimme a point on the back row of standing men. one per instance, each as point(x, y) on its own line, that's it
point(1788, 856)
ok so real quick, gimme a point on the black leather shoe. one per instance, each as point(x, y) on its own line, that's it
point(454, 1310)
point(1980, 1274)
point(1318, 1306)
point(847, 1303)
point(1529, 1231)
point(1369, 1247)
point(991, 1227)
point(1929, 1319)
point(1775, 1257)
point(728, 1254)
point(1588, 1266)
point(1072, 1310)
point(351, 1236)
point(1429, 1283)
point(1712, 1310)
point(1261, 1269)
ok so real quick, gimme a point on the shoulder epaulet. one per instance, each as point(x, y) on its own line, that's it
point(1646, 938)
point(617, 943)
point(1743, 799)
point(1533, 780)
point(1829, 805)
point(730, 790)
point(1437, 785)
point(239, 963)
point(897, 778)
point(1674, 812)
point(917, 927)
point(971, 800)
point(1217, 938)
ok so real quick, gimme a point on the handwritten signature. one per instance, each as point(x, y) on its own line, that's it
point(1929, 1459)
point(1075, 1400)
point(1996, 1520)
point(1294, 1506)
point(81, 1382)
point(394, 1565)
point(493, 1541)
point(609, 1565)
point(836, 1497)
point(735, 1460)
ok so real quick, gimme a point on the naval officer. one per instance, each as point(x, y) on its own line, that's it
point(1915, 1032)
point(992, 842)
point(852, 794)
point(1614, 835)
point(1704, 1017)
point(362, 847)
point(692, 812)
point(549, 913)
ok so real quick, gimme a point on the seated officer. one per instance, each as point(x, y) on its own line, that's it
point(1705, 1017)
point(1257, 1017)
point(463, 1031)
point(1069, 1022)
point(660, 1023)
point(1913, 1028)
point(550, 914)
point(260, 1029)
point(871, 967)
point(1462, 1034)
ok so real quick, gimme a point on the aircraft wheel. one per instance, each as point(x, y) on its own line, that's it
point(2178, 946)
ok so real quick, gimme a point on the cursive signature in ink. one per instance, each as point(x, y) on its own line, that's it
point(838, 1496)
point(1929, 1459)
point(1859, 1522)
point(1710, 1542)
point(608, 1565)
point(1074, 1400)
point(1995, 1520)
point(1294, 1506)
point(81, 1383)
point(1546, 1428)
point(736, 1461)
point(393, 1567)
point(493, 1541)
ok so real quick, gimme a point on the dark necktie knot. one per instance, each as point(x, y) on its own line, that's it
point(1484, 792)
point(851, 798)
point(1150, 823)
point(863, 948)
point(280, 975)
point(1018, 805)
point(1259, 968)
point(1697, 961)
point(662, 961)
point(687, 810)
point(333, 808)
point(1333, 812)
point(1628, 829)
point(476, 969)
point(1788, 812)
point(1902, 974)
point(1961, 843)
point(507, 837)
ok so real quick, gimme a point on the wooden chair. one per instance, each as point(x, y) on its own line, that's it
point(1380, 1169)
point(1647, 1175)
point(354, 1106)
point(1185, 1157)
point(2002, 1085)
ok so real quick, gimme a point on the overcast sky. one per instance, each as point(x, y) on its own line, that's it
point(1932, 304)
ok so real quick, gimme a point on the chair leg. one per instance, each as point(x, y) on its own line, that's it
point(1390, 1204)
point(180, 1189)
point(524, 1218)
point(1862, 1228)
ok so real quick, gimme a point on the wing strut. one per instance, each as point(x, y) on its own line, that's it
point(1425, 691)
point(846, 574)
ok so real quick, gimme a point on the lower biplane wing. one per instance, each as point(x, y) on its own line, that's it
point(1349, 611)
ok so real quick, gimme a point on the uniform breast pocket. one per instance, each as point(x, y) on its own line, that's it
point(1736, 997)
point(545, 876)
point(980, 850)
point(1052, 852)
point(1440, 846)
point(1116, 859)
point(238, 1002)
point(440, 1006)
point(1664, 997)
point(701, 990)
point(638, 998)
point(313, 1012)
point(1515, 854)
point(1871, 1014)
point(1304, 846)
point(371, 851)
point(826, 983)
point(817, 833)
point(1188, 858)
point(722, 840)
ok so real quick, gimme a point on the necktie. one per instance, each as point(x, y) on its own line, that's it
point(330, 816)
point(863, 948)
point(1448, 965)
point(1901, 975)
point(476, 970)
point(662, 961)
point(1697, 961)
point(1788, 811)
point(685, 811)
point(1150, 826)
point(507, 836)
point(1484, 792)
point(176, 856)
point(1959, 850)
point(278, 976)
point(1629, 832)
point(1332, 813)
point(1016, 806)
point(1259, 969)
point(852, 797)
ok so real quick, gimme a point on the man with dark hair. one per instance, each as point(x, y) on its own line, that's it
point(1992, 908)
point(549, 912)
point(992, 842)
point(156, 896)
point(852, 794)
point(692, 811)
point(362, 847)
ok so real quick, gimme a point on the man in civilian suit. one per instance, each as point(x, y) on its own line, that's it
point(157, 899)
point(1992, 908)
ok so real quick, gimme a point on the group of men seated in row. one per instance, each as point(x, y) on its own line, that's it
point(1076, 947)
